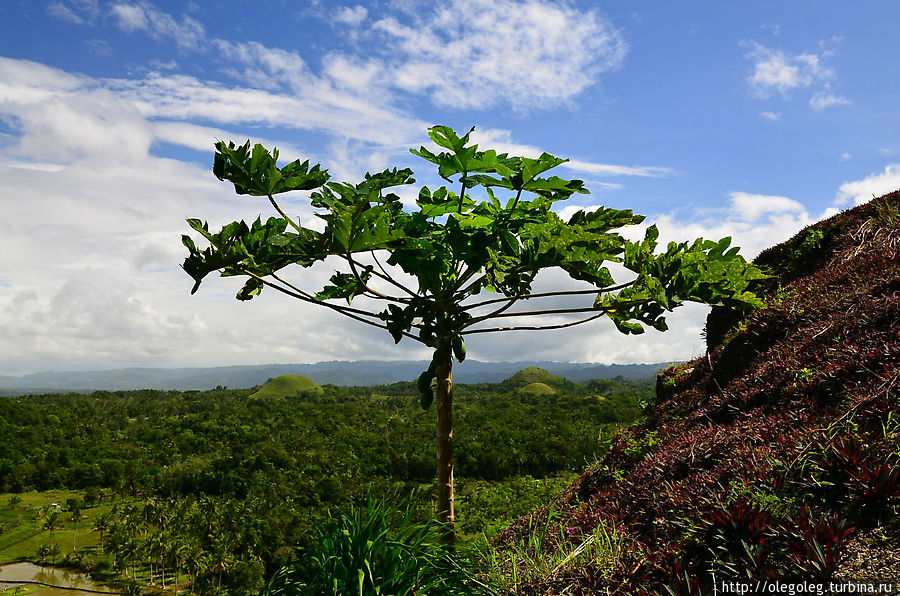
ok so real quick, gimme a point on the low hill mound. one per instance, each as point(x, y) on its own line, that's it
point(536, 389)
point(534, 375)
point(777, 455)
point(286, 386)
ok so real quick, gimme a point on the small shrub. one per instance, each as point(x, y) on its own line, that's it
point(888, 213)
point(739, 538)
point(817, 543)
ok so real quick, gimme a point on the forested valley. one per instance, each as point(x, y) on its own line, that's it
point(216, 489)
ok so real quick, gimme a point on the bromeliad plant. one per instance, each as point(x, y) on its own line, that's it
point(422, 269)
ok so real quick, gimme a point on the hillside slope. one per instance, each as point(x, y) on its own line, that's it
point(774, 456)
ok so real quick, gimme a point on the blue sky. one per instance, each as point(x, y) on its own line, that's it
point(749, 119)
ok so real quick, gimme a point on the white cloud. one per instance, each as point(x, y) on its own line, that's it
point(753, 221)
point(315, 107)
point(194, 136)
point(617, 170)
point(159, 65)
point(775, 70)
point(92, 124)
point(469, 54)
point(90, 239)
point(750, 207)
point(65, 117)
point(264, 67)
point(846, 156)
point(203, 138)
point(823, 99)
point(351, 16)
point(24, 81)
point(79, 12)
point(501, 141)
point(480, 53)
point(143, 16)
point(857, 192)
point(355, 75)
point(100, 47)
point(130, 17)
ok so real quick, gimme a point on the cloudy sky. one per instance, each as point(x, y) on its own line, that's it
point(749, 119)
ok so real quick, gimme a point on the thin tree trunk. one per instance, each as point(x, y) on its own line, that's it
point(444, 406)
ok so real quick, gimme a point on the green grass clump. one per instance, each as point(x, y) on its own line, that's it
point(287, 386)
point(548, 549)
point(362, 552)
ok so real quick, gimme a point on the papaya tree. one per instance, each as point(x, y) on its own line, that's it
point(457, 263)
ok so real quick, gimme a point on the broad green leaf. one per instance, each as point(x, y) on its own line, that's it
point(254, 172)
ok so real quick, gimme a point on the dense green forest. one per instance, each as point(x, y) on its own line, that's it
point(236, 478)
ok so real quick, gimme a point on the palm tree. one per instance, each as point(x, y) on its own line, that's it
point(177, 549)
point(75, 517)
point(155, 549)
point(222, 555)
point(50, 523)
point(101, 523)
point(196, 561)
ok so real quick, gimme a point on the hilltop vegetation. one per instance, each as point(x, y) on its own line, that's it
point(288, 386)
point(775, 456)
point(532, 375)
point(536, 389)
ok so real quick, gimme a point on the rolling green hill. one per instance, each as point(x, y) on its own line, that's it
point(286, 386)
point(533, 375)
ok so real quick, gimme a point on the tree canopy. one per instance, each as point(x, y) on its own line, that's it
point(455, 246)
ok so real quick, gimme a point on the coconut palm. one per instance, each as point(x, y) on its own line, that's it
point(51, 522)
point(76, 516)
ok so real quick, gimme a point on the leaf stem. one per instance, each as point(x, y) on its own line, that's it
point(306, 296)
point(509, 302)
point(361, 282)
point(284, 215)
point(353, 313)
point(531, 313)
point(518, 195)
point(386, 277)
point(550, 294)
point(535, 328)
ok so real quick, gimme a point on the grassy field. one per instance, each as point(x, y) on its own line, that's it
point(22, 524)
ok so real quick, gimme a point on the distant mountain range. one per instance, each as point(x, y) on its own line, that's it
point(364, 372)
